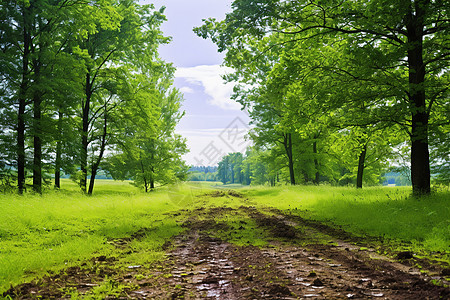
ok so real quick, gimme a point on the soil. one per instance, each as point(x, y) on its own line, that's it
point(303, 260)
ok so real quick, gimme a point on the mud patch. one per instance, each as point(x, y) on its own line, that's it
point(205, 267)
point(433, 264)
point(56, 286)
point(206, 224)
point(225, 193)
point(202, 266)
point(276, 225)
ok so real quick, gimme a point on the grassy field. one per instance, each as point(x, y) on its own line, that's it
point(377, 211)
point(62, 228)
point(42, 234)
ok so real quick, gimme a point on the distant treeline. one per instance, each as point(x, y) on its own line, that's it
point(259, 168)
point(202, 173)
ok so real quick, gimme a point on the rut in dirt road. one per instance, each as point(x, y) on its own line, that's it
point(216, 258)
point(206, 267)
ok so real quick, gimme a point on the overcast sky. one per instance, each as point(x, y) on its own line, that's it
point(214, 125)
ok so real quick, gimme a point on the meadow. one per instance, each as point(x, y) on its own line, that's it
point(49, 233)
point(389, 212)
point(62, 228)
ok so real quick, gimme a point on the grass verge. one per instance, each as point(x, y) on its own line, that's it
point(41, 234)
point(61, 229)
point(385, 212)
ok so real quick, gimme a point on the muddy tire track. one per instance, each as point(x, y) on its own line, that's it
point(205, 267)
point(294, 265)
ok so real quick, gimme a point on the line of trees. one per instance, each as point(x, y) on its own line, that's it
point(330, 80)
point(202, 173)
point(261, 166)
point(81, 81)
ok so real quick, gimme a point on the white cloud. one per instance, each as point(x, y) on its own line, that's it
point(186, 90)
point(208, 146)
point(209, 76)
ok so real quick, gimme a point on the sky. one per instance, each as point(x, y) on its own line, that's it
point(213, 125)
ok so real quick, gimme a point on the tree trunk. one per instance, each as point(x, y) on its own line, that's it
point(37, 145)
point(316, 162)
point(361, 161)
point(232, 174)
point(58, 166)
point(420, 158)
point(152, 181)
point(84, 133)
point(143, 176)
point(21, 145)
point(22, 101)
point(37, 132)
point(225, 171)
point(58, 152)
point(95, 166)
point(92, 181)
point(305, 176)
point(152, 172)
point(288, 147)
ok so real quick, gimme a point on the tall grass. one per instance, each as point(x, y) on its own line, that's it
point(376, 211)
point(61, 228)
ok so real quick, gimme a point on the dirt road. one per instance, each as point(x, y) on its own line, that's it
point(302, 260)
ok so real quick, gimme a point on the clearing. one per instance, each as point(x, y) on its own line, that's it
point(248, 252)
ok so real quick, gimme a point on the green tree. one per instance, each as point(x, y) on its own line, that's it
point(224, 170)
point(32, 37)
point(263, 166)
point(122, 32)
point(230, 169)
point(147, 149)
point(58, 52)
point(380, 35)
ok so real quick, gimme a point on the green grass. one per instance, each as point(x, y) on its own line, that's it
point(62, 228)
point(41, 234)
point(376, 211)
point(238, 228)
point(102, 186)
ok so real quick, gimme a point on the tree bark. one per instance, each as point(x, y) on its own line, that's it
point(305, 176)
point(152, 172)
point(232, 173)
point(37, 145)
point(95, 166)
point(143, 177)
point(152, 179)
point(22, 101)
point(84, 132)
point(58, 151)
point(316, 163)
point(420, 158)
point(37, 132)
point(152, 184)
point(21, 145)
point(361, 161)
point(288, 147)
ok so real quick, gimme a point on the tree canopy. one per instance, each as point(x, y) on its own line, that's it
point(343, 68)
point(72, 72)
